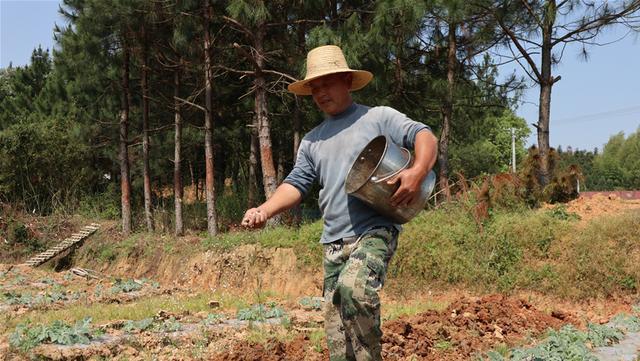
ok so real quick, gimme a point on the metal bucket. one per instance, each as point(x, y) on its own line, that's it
point(380, 161)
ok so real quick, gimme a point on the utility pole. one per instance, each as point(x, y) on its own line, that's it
point(513, 149)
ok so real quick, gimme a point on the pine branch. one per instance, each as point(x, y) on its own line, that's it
point(523, 51)
point(532, 13)
point(184, 101)
point(597, 23)
point(298, 22)
point(239, 26)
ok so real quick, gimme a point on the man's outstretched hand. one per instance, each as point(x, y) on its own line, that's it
point(254, 218)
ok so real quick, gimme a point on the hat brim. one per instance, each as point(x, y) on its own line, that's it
point(360, 79)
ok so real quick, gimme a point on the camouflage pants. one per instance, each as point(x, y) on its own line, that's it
point(354, 272)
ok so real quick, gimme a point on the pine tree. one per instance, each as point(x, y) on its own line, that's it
point(557, 24)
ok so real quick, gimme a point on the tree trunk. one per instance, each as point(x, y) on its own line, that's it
point(125, 180)
point(398, 85)
point(264, 128)
point(253, 165)
point(280, 171)
point(177, 171)
point(544, 109)
point(297, 115)
point(148, 213)
point(194, 184)
point(212, 226)
point(447, 113)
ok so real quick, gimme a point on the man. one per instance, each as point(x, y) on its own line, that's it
point(358, 241)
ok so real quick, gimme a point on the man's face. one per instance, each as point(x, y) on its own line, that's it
point(331, 92)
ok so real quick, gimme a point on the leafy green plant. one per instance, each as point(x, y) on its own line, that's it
point(560, 212)
point(150, 324)
point(127, 286)
point(603, 335)
point(29, 300)
point(141, 325)
point(260, 312)
point(97, 292)
point(311, 303)
point(170, 325)
point(48, 281)
point(26, 336)
point(213, 319)
point(18, 280)
point(627, 322)
point(566, 344)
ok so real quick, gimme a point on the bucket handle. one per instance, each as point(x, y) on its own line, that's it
point(376, 180)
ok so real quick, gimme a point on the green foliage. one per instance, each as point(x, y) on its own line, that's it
point(317, 339)
point(616, 167)
point(487, 149)
point(39, 160)
point(138, 326)
point(603, 335)
point(126, 286)
point(26, 336)
point(18, 233)
point(566, 344)
point(29, 300)
point(563, 186)
point(150, 324)
point(303, 240)
point(105, 205)
point(599, 257)
point(260, 312)
point(543, 250)
point(213, 319)
point(629, 323)
point(560, 212)
point(170, 325)
point(311, 303)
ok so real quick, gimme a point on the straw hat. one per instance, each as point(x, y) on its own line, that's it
point(325, 60)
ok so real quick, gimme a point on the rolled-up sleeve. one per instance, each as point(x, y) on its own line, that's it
point(303, 173)
point(401, 128)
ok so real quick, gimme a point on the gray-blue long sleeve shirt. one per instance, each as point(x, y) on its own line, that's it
point(326, 154)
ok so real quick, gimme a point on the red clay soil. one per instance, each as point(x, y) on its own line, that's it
point(275, 350)
point(597, 205)
point(468, 326)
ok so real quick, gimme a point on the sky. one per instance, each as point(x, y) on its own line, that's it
point(594, 100)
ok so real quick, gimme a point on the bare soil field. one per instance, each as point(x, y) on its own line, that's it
point(253, 303)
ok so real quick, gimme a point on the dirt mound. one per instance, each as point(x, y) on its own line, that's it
point(468, 326)
point(600, 204)
point(274, 350)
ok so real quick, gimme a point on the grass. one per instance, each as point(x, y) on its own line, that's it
point(519, 248)
point(135, 311)
point(304, 241)
point(392, 311)
point(317, 339)
point(261, 335)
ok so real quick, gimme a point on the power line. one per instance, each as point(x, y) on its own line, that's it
point(598, 116)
